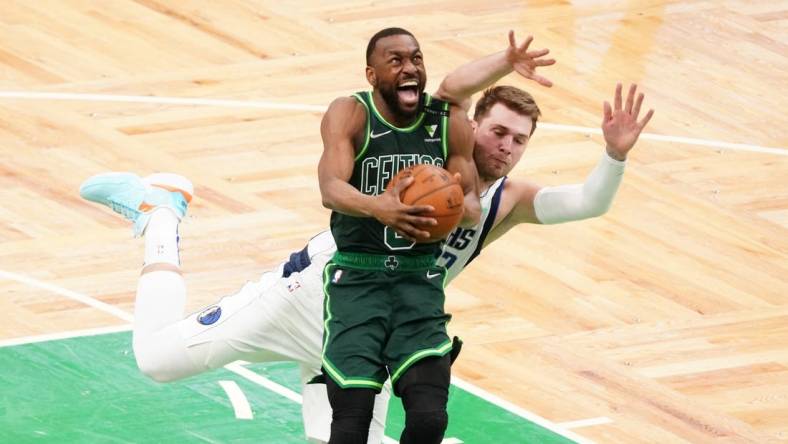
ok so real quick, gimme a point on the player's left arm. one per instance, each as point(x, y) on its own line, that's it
point(460, 161)
point(592, 198)
point(474, 76)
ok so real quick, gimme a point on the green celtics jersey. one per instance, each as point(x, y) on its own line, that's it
point(387, 150)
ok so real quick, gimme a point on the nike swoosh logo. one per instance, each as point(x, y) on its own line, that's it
point(372, 134)
point(430, 275)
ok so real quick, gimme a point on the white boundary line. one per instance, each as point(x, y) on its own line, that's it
point(240, 404)
point(237, 367)
point(517, 410)
point(240, 370)
point(65, 335)
point(585, 422)
point(87, 300)
point(261, 104)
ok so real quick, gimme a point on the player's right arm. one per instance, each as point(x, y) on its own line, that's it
point(479, 74)
point(342, 125)
point(526, 202)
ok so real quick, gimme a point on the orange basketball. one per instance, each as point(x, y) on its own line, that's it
point(432, 185)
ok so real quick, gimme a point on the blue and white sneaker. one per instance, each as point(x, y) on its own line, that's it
point(135, 198)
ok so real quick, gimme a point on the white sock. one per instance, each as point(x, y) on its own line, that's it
point(161, 238)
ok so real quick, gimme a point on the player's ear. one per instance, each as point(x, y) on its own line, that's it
point(474, 125)
point(372, 78)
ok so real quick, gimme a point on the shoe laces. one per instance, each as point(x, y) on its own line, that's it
point(125, 211)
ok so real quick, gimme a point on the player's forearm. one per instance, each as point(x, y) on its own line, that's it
point(474, 76)
point(342, 197)
point(592, 198)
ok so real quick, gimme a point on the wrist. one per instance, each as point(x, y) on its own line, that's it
point(615, 156)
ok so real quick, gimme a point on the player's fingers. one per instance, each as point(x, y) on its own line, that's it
point(512, 43)
point(544, 81)
point(419, 209)
point(544, 62)
point(617, 98)
point(630, 98)
point(402, 184)
point(526, 43)
point(422, 221)
point(646, 118)
point(537, 53)
point(458, 177)
point(636, 109)
point(607, 112)
point(411, 232)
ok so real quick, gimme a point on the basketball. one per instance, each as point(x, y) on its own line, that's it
point(433, 185)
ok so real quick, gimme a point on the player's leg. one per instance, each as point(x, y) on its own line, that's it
point(356, 313)
point(418, 354)
point(274, 318)
point(317, 411)
point(424, 389)
point(155, 206)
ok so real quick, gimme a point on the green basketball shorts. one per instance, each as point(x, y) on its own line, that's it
point(381, 315)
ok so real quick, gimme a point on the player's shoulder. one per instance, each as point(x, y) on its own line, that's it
point(347, 104)
point(346, 113)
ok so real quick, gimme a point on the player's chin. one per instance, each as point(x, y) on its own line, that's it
point(408, 109)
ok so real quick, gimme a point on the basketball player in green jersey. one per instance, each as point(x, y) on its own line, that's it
point(383, 309)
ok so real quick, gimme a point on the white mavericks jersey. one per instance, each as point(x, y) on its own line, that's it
point(464, 244)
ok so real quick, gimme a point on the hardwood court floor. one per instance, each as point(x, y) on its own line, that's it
point(667, 317)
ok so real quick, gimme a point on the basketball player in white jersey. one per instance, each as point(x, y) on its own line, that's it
point(279, 317)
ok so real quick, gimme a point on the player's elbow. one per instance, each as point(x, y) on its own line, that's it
point(328, 201)
point(597, 210)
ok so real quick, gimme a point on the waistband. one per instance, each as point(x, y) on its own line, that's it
point(383, 262)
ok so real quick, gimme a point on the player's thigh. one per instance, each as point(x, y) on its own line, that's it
point(356, 313)
point(418, 321)
point(274, 318)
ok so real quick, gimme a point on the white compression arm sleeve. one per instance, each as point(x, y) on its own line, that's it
point(592, 198)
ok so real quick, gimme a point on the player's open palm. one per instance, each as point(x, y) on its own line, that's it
point(620, 124)
point(526, 62)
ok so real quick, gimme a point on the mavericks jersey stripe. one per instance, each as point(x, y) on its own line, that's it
point(464, 244)
point(488, 223)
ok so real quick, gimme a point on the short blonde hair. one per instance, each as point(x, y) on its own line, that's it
point(511, 97)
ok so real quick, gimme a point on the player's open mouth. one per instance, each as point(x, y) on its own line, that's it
point(408, 92)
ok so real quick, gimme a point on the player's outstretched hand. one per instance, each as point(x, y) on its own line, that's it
point(526, 62)
point(403, 218)
point(620, 124)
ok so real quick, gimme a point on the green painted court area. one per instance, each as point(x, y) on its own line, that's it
point(88, 390)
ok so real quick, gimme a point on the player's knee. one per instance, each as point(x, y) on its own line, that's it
point(162, 364)
point(425, 427)
point(153, 368)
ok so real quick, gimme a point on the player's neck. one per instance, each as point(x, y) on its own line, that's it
point(390, 116)
point(485, 183)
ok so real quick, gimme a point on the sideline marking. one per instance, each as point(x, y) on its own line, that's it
point(585, 422)
point(237, 399)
